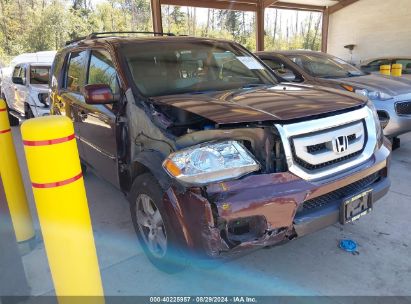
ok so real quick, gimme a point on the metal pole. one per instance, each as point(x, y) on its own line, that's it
point(156, 16)
point(13, 282)
point(260, 26)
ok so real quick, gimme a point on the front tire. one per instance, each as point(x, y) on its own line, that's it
point(396, 143)
point(151, 224)
point(28, 113)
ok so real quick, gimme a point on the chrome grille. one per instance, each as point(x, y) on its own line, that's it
point(309, 166)
point(313, 149)
point(403, 108)
point(317, 150)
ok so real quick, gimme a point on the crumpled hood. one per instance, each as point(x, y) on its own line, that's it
point(380, 83)
point(283, 102)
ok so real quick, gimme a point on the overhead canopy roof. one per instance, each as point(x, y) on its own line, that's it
point(327, 7)
point(252, 5)
point(313, 2)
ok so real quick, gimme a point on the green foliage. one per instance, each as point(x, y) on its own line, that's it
point(304, 35)
point(37, 25)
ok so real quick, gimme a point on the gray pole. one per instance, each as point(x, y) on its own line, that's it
point(13, 282)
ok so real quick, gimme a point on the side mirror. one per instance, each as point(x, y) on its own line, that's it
point(98, 94)
point(17, 80)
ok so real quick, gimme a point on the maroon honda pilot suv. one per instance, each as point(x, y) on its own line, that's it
point(215, 156)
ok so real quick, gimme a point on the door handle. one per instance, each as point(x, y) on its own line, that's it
point(83, 115)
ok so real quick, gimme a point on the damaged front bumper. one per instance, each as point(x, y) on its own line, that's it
point(267, 209)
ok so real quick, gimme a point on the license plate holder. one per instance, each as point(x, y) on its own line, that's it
point(355, 207)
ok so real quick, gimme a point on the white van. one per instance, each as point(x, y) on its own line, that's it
point(26, 90)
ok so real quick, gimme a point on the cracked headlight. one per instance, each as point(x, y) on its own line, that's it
point(373, 95)
point(210, 162)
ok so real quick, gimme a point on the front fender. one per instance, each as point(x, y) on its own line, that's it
point(153, 161)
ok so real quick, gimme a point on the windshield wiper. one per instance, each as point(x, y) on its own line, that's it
point(349, 74)
point(331, 76)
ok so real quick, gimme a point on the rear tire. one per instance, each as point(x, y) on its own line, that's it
point(150, 221)
point(395, 143)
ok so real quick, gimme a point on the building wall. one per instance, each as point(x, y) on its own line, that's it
point(376, 27)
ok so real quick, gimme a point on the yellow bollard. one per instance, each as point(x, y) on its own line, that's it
point(58, 187)
point(13, 182)
point(385, 69)
point(396, 70)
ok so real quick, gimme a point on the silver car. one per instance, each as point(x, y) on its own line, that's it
point(391, 96)
point(373, 65)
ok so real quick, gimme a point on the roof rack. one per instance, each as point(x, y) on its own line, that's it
point(75, 40)
point(103, 34)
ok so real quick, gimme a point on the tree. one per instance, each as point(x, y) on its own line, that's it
point(52, 22)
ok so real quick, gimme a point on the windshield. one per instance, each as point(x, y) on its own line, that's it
point(176, 67)
point(39, 74)
point(325, 66)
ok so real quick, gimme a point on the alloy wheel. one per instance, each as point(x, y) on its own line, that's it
point(151, 225)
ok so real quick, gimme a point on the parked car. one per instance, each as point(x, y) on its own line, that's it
point(373, 65)
point(214, 155)
point(26, 89)
point(391, 97)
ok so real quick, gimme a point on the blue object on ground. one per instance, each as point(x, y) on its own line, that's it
point(348, 245)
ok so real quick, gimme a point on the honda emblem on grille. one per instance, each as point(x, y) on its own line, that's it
point(340, 144)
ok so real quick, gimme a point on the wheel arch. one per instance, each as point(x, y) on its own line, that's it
point(150, 162)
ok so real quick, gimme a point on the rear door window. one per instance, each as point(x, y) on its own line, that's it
point(74, 78)
point(39, 74)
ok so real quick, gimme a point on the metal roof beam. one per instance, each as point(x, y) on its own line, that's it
point(340, 5)
point(215, 4)
point(267, 3)
point(296, 6)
